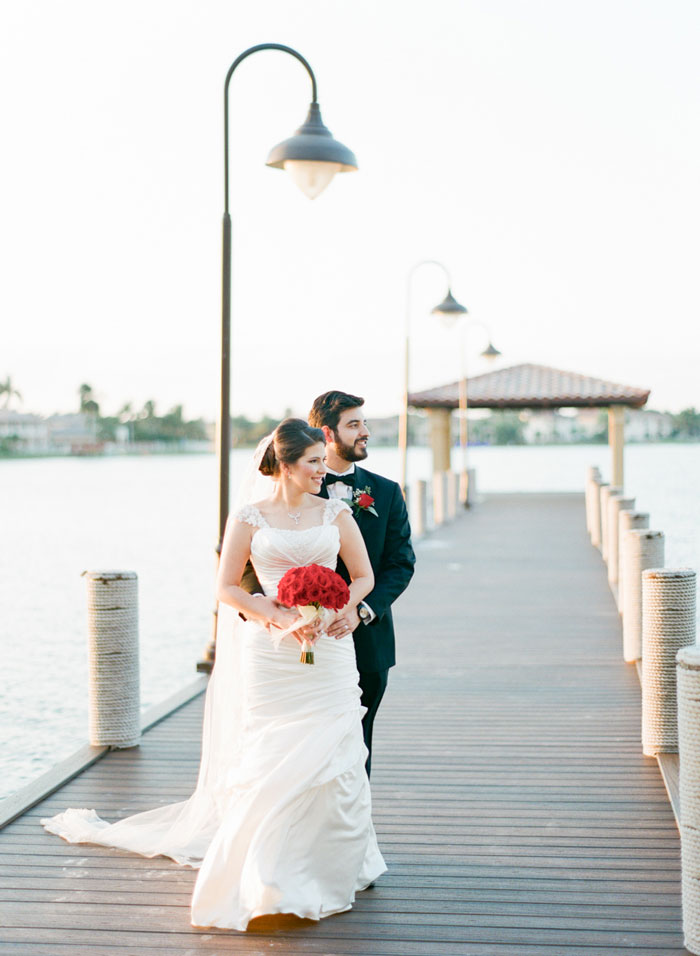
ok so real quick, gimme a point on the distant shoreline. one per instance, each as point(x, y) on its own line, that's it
point(184, 452)
point(137, 453)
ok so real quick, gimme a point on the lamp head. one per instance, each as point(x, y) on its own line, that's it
point(311, 156)
point(490, 352)
point(449, 309)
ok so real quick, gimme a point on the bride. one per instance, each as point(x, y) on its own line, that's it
point(280, 821)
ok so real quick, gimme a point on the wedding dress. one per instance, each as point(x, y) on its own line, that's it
point(280, 821)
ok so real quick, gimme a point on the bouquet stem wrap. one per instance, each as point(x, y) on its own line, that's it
point(308, 613)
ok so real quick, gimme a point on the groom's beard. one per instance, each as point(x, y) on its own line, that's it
point(349, 453)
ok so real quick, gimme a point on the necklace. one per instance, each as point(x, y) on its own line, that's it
point(294, 516)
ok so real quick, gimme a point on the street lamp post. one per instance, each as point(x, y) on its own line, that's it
point(448, 307)
point(490, 353)
point(312, 157)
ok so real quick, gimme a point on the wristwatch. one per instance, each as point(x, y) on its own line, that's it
point(364, 613)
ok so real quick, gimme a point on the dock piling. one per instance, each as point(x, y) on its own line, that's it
point(595, 512)
point(591, 489)
point(452, 494)
point(626, 521)
point(439, 498)
point(113, 658)
point(606, 492)
point(643, 549)
point(668, 624)
point(616, 504)
point(688, 675)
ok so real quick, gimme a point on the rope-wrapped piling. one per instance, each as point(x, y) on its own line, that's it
point(688, 677)
point(668, 624)
point(591, 489)
point(616, 504)
point(113, 658)
point(606, 491)
point(596, 512)
point(626, 521)
point(643, 549)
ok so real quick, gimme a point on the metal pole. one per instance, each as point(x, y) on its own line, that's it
point(224, 428)
point(403, 417)
point(463, 428)
point(464, 407)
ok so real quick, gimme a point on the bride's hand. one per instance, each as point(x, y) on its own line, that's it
point(277, 615)
point(281, 617)
point(344, 622)
point(310, 632)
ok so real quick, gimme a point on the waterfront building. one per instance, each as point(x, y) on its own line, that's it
point(23, 432)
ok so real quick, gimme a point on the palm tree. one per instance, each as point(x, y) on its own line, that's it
point(125, 413)
point(9, 391)
point(86, 395)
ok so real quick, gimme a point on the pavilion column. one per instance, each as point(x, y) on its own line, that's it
point(616, 440)
point(440, 422)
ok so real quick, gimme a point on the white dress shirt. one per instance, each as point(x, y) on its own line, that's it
point(339, 489)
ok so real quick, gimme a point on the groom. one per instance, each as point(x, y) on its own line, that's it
point(380, 512)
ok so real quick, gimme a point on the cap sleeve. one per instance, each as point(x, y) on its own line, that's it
point(333, 508)
point(249, 514)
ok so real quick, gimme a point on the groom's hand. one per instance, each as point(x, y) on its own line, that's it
point(344, 624)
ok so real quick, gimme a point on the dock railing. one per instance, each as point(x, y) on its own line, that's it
point(658, 608)
point(440, 500)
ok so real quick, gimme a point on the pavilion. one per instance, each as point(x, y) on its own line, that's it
point(530, 386)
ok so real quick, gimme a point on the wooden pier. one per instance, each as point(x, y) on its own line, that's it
point(513, 805)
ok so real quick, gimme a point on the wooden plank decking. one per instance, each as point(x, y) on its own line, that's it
point(512, 802)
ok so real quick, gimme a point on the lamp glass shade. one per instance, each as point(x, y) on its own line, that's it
point(310, 176)
point(490, 352)
point(448, 319)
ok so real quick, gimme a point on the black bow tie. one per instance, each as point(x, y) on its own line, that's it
point(346, 479)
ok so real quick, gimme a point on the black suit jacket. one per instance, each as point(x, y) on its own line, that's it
point(387, 536)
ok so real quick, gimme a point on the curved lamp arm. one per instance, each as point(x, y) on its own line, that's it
point(236, 62)
point(409, 279)
point(224, 442)
point(466, 326)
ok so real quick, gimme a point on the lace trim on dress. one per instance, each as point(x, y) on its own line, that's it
point(333, 508)
point(251, 515)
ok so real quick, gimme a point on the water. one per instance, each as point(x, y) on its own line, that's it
point(157, 515)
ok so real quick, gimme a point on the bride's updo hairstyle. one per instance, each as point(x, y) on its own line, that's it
point(290, 440)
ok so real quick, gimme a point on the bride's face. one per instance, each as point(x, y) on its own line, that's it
point(308, 471)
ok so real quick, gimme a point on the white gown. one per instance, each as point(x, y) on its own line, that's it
point(280, 821)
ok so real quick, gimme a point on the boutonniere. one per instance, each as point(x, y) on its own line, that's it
point(362, 500)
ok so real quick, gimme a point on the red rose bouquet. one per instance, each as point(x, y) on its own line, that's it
point(313, 590)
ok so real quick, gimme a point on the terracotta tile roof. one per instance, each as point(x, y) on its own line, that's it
point(531, 386)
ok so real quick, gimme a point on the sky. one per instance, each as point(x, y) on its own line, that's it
point(546, 152)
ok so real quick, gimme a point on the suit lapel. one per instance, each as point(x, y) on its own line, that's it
point(362, 480)
point(360, 477)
